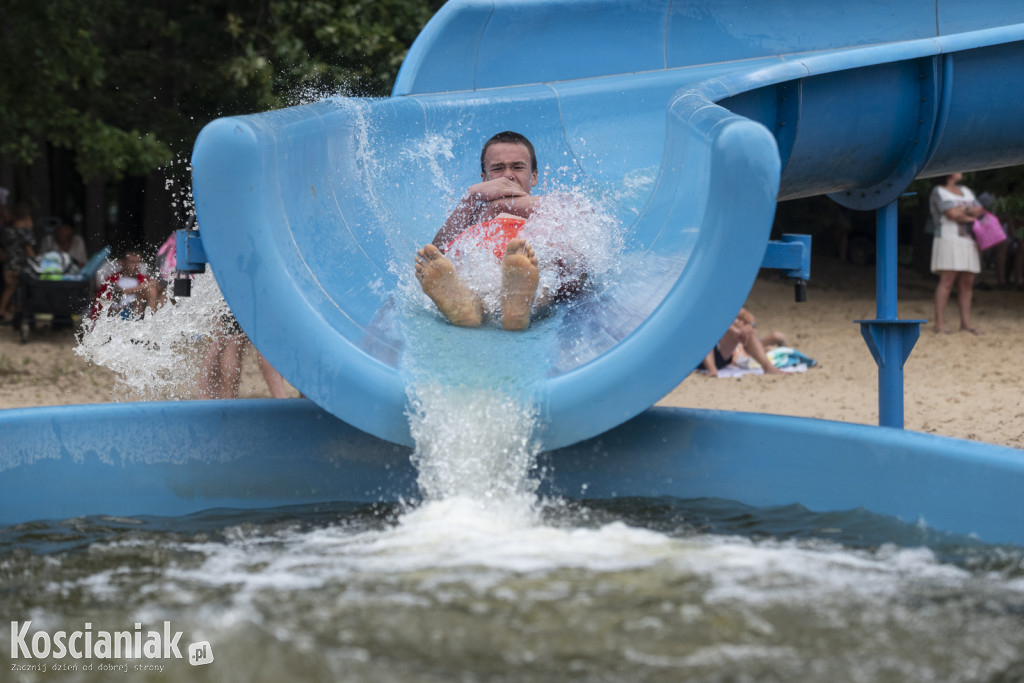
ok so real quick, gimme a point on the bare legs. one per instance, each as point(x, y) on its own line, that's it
point(273, 378)
point(743, 333)
point(774, 338)
point(441, 283)
point(942, 291)
point(461, 306)
point(519, 278)
point(6, 300)
point(964, 293)
point(222, 366)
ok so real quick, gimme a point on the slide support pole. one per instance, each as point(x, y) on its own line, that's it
point(889, 339)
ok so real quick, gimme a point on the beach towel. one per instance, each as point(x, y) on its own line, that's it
point(784, 358)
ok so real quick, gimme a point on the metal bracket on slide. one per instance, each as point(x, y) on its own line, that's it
point(190, 258)
point(793, 254)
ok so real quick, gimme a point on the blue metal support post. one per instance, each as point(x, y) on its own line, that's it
point(889, 339)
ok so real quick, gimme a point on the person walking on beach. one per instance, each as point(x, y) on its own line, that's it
point(955, 256)
point(490, 216)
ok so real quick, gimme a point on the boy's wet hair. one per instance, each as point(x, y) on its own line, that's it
point(513, 138)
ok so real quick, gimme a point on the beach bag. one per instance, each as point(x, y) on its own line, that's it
point(167, 258)
point(988, 231)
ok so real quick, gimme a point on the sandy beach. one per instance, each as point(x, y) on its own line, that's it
point(956, 385)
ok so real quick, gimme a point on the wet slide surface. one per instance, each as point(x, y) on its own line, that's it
point(678, 135)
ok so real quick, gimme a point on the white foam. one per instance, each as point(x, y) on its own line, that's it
point(466, 539)
point(476, 443)
point(157, 356)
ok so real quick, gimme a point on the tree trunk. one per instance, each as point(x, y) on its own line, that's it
point(96, 214)
point(7, 177)
point(158, 214)
point(39, 173)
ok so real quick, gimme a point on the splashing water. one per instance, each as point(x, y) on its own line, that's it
point(475, 445)
point(309, 93)
point(448, 594)
point(472, 443)
point(156, 356)
point(435, 151)
point(570, 234)
point(485, 580)
point(471, 392)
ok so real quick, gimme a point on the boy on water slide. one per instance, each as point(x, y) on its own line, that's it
point(490, 215)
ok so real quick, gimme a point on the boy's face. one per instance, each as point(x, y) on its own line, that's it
point(510, 160)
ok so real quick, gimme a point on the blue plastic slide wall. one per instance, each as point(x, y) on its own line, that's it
point(177, 458)
point(691, 118)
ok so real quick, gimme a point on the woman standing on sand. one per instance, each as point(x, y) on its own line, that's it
point(955, 256)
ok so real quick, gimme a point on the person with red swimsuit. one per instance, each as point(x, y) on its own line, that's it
point(491, 215)
point(128, 292)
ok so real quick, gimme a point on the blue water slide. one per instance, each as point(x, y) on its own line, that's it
point(691, 118)
point(178, 458)
point(694, 118)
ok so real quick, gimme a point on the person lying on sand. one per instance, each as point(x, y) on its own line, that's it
point(742, 335)
point(491, 215)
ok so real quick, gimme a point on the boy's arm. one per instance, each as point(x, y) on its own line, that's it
point(476, 206)
point(523, 207)
point(463, 216)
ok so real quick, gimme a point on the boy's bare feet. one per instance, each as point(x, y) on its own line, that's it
point(440, 282)
point(519, 278)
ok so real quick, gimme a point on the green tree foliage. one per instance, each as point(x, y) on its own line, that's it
point(52, 69)
point(127, 85)
point(286, 51)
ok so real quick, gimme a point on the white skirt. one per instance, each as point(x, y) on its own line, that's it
point(958, 254)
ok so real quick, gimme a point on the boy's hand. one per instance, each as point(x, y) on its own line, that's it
point(497, 188)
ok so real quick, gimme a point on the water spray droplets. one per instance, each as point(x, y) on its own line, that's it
point(157, 356)
point(476, 444)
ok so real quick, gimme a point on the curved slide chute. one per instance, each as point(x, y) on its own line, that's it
point(690, 119)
